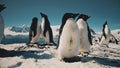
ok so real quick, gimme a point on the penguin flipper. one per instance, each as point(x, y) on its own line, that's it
point(89, 35)
point(115, 39)
point(44, 32)
point(34, 33)
point(30, 35)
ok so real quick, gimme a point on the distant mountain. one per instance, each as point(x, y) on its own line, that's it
point(22, 28)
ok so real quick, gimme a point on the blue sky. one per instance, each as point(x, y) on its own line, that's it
point(19, 12)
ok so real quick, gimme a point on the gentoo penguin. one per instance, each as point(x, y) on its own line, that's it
point(85, 34)
point(1, 23)
point(105, 38)
point(46, 30)
point(69, 37)
point(35, 31)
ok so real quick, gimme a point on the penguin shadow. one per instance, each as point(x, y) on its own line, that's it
point(73, 59)
point(38, 45)
point(25, 54)
point(102, 61)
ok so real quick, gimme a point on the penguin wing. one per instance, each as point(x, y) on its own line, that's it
point(34, 33)
point(115, 39)
point(51, 36)
point(30, 35)
point(103, 33)
point(89, 35)
point(45, 30)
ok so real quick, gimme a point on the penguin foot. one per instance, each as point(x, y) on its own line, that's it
point(84, 54)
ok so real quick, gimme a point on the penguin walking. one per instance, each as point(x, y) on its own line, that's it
point(105, 38)
point(69, 37)
point(1, 23)
point(35, 31)
point(46, 30)
point(85, 34)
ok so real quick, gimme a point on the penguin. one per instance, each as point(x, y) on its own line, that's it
point(35, 31)
point(2, 7)
point(69, 37)
point(105, 37)
point(47, 30)
point(85, 34)
point(113, 39)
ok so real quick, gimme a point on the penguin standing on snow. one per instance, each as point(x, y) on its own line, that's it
point(69, 37)
point(35, 31)
point(46, 29)
point(105, 38)
point(85, 35)
point(1, 23)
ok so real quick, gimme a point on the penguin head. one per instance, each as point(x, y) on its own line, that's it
point(84, 17)
point(105, 24)
point(35, 19)
point(70, 15)
point(43, 15)
point(2, 7)
point(45, 19)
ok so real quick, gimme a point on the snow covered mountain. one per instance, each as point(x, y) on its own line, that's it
point(22, 28)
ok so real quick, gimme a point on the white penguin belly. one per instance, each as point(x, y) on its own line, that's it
point(46, 39)
point(69, 41)
point(105, 41)
point(1, 28)
point(84, 42)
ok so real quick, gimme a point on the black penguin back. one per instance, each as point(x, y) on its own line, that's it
point(33, 26)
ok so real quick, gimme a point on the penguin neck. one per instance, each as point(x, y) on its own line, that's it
point(107, 31)
point(70, 19)
point(81, 22)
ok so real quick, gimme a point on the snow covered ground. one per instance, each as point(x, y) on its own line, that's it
point(31, 57)
point(14, 55)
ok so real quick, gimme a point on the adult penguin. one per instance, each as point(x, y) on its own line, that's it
point(69, 37)
point(47, 31)
point(105, 38)
point(35, 31)
point(1, 23)
point(85, 35)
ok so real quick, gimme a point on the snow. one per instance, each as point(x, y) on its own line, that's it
point(16, 56)
point(100, 57)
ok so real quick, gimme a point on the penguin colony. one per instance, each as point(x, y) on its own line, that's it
point(74, 34)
